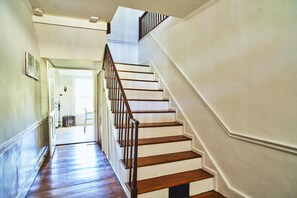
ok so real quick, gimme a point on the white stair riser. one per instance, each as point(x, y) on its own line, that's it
point(168, 168)
point(163, 193)
point(148, 105)
point(198, 187)
point(140, 76)
point(159, 132)
point(165, 148)
point(154, 117)
point(132, 68)
point(131, 94)
point(140, 84)
point(201, 186)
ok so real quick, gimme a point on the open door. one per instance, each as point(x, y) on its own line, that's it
point(52, 118)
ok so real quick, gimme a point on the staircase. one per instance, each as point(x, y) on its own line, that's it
point(166, 165)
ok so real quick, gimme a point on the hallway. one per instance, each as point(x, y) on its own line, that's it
point(77, 170)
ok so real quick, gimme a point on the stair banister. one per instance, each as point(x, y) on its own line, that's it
point(124, 121)
point(148, 21)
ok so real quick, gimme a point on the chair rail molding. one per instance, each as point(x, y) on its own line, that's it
point(8, 144)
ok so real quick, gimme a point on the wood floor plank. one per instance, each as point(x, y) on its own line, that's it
point(80, 170)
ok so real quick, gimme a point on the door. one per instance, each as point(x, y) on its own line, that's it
point(52, 117)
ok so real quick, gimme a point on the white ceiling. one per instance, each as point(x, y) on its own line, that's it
point(106, 9)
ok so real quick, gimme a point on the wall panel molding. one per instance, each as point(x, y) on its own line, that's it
point(8, 144)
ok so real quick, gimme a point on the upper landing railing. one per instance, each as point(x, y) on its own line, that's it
point(148, 21)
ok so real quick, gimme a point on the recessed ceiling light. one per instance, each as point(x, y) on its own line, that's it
point(94, 19)
point(38, 11)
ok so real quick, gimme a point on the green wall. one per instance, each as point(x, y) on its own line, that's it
point(23, 100)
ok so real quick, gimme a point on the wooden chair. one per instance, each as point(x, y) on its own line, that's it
point(88, 116)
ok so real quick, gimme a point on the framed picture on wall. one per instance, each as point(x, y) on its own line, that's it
point(29, 65)
point(37, 70)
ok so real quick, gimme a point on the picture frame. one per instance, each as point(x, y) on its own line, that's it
point(37, 70)
point(29, 65)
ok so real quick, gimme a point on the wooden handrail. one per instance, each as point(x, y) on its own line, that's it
point(124, 121)
point(149, 21)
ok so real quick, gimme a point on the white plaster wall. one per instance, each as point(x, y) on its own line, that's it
point(215, 53)
point(23, 100)
point(124, 52)
point(240, 56)
point(124, 35)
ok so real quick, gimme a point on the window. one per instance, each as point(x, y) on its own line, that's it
point(83, 95)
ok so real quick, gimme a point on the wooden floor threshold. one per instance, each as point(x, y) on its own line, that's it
point(209, 194)
point(165, 158)
point(157, 183)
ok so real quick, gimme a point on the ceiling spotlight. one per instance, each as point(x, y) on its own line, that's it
point(38, 11)
point(94, 19)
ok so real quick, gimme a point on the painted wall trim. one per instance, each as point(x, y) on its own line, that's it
point(251, 139)
point(69, 22)
point(8, 144)
point(235, 191)
point(29, 181)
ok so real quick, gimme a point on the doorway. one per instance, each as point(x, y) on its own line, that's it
point(74, 106)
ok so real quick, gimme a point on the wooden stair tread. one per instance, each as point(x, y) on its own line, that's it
point(159, 140)
point(154, 124)
point(153, 111)
point(138, 72)
point(159, 124)
point(157, 183)
point(165, 158)
point(131, 79)
point(135, 89)
point(146, 100)
point(150, 100)
point(209, 194)
point(148, 111)
point(131, 64)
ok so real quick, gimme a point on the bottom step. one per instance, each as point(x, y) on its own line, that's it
point(158, 186)
point(209, 194)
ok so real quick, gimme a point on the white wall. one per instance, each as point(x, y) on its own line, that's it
point(23, 100)
point(124, 35)
point(240, 57)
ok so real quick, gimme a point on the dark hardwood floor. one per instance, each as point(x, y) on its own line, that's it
point(77, 170)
